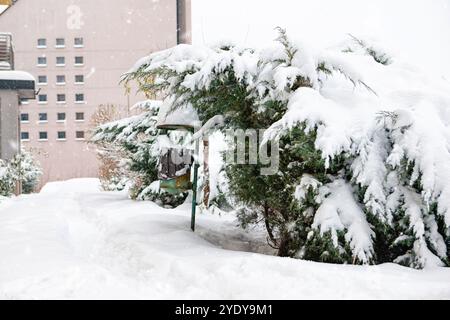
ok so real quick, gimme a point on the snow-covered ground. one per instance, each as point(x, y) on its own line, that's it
point(73, 241)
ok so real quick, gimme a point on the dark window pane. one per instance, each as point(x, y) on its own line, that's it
point(79, 116)
point(42, 42)
point(60, 42)
point(80, 134)
point(24, 117)
point(79, 60)
point(78, 42)
point(61, 134)
point(42, 117)
point(60, 60)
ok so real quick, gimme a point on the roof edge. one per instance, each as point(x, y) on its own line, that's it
point(9, 7)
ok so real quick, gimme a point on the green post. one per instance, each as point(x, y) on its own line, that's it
point(194, 182)
point(171, 185)
point(194, 196)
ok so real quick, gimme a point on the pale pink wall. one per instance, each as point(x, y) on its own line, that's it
point(116, 33)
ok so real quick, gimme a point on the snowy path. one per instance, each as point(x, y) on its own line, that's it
point(73, 241)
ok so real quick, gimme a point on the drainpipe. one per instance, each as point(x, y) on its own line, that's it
point(178, 21)
point(183, 6)
point(19, 151)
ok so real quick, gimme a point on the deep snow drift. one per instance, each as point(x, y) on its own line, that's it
point(73, 241)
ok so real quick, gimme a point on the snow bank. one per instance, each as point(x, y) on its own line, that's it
point(75, 185)
point(87, 244)
point(15, 75)
point(184, 116)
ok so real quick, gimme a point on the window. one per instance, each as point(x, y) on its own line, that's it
point(42, 80)
point(61, 135)
point(61, 80)
point(43, 135)
point(61, 116)
point(60, 43)
point(79, 79)
point(42, 43)
point(24, 117)
point(24, 136)
point(60, 61)
point(24, 101)
point(79, 135)
point(79, 116)
point(42, 98)
point(79, 98)
point(78, 42)
point(61, 98)
point(43, 117)
point(42, 61)
point(79, 61)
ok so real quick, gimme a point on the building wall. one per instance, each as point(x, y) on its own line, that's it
point(9, 113)
point(115, 34)
point(184, 21)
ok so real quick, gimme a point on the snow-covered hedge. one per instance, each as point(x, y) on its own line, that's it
point(23, 168)
point(365, 160)
point(7, 182)
point(134, 145)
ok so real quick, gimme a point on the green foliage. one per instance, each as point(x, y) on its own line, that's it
point(377, 55)
point(7, 181)
point(272, 197)
point(134, 141)
point(257, 100)
point(268, 198)
point(21, 168)
point(321, 248)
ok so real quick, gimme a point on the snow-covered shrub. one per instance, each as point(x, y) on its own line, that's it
point(109, 155)
point(25, 169)
point(364, 158)
point(22, 167)
point(132, 143)
point(7, 182)
point(153, 192)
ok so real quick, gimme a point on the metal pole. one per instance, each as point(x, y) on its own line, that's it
point(19, 152)
point(194, 197)
point(194, 185)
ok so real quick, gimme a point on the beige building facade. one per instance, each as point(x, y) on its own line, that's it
point(77, 51)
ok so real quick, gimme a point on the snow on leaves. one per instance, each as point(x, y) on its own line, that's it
point(339, 211)
point(389, 121)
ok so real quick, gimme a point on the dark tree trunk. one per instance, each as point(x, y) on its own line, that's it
point(283, 248)
point(267, 224)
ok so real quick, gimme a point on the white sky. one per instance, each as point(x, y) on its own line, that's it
point(414, 29)
point(418, 30)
